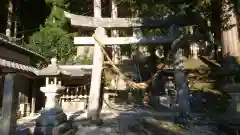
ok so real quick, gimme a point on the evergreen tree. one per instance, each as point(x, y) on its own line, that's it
point(54, 38)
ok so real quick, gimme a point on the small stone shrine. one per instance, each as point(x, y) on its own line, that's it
point(52, 121)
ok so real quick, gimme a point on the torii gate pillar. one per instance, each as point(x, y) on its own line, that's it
point(93, 111)
point(95, 89)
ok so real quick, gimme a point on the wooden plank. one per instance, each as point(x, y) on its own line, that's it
point(87, 21)
point(125, 40)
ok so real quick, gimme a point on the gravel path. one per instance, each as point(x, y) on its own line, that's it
point(114, 123)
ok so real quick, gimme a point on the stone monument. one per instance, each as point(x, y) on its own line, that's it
point(52, 121)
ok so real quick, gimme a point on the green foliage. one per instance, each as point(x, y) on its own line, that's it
point(59, 3)
point(53, 42)
point(83, 7)
point(56, 18)
point(84, 60)
point(53, 39)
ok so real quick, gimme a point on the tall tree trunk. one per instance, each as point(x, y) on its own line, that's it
point(216, 26)
point(229, 33)
point(9, 19)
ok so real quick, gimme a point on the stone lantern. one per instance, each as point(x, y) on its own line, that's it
point(52, 119)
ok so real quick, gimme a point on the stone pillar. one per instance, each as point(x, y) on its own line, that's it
point(21, 109)
point(28, 109)
point(33, 103)
point(21, 102)
point(27, 94)
point(94, 97)
point(9, 106)
point(181, 85)
point(93, 110)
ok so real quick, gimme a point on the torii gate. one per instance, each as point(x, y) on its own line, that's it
point(101, 23)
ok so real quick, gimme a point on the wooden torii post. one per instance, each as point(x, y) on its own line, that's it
point(95, 88)
point(98, 58)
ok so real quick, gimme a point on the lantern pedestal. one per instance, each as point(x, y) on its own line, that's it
point(52, 121)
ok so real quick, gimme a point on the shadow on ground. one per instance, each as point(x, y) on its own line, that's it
point(136, 122)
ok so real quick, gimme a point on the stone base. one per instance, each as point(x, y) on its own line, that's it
point(52, 117)
point(53, 122)
point(63, 129)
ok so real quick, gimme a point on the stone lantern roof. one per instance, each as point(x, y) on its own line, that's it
point(53, 69)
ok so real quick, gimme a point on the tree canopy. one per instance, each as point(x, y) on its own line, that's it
point(41, 17)
point(54, 39)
